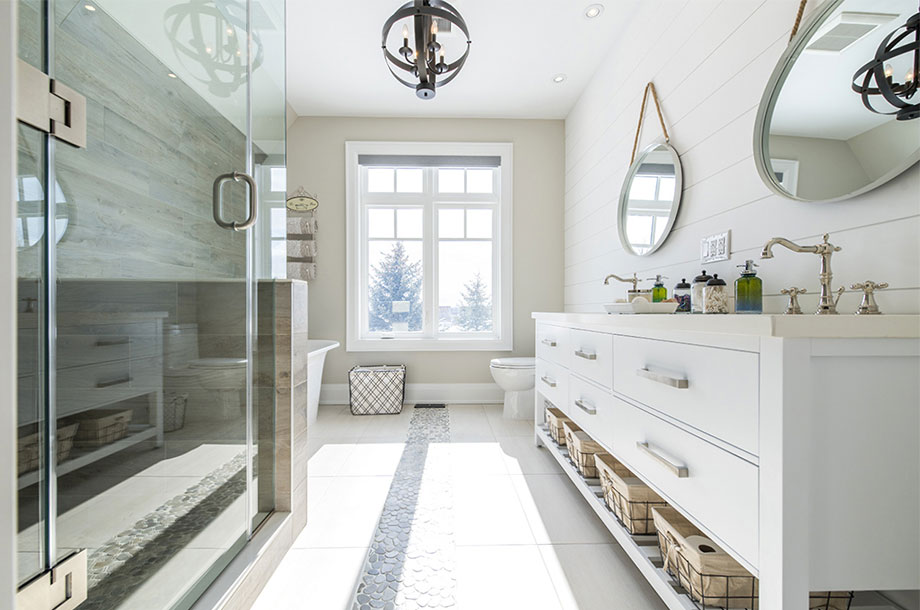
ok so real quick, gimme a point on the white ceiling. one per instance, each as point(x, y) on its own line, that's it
point(817, 100)
point(336, 66)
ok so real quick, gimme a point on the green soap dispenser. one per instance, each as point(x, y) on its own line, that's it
point(748, 290)
point(659, 292)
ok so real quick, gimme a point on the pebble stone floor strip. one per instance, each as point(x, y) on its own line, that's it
point(128, 559)
point(411, 561)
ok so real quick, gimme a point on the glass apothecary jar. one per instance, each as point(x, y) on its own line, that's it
point(682, 292)
point(715, 296)
point(699, 286)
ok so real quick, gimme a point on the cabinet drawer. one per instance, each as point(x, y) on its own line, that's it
point(97, 385)
point(585, 404)
point(81, 345)
point(591, 356)
point(553, 344)
point(552, 382)
point(711, 389)
point(713, 486)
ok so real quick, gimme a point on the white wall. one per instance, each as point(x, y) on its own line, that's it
point(316, 161)
point(7, 305)
point(710, 61)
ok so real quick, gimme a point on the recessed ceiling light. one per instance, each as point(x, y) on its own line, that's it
point(89, 7)
point(594, 11)
point(171, 75)
point(559, 78)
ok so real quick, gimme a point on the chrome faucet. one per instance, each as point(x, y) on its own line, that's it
point(827, 304)
point(634, 280)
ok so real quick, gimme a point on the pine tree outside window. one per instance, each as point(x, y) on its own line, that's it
point(428, 224)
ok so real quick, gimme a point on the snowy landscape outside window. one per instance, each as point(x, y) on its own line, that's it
point(427, 234)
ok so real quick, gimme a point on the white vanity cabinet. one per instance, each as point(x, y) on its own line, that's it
point(794, 442)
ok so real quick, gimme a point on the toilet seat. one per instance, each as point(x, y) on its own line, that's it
point(513, 363)
point(217, 363)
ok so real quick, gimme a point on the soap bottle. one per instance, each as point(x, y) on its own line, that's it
point(748, 290)
point(699, 284)
point(682, 294)
point(659, 292)
point(715, 296)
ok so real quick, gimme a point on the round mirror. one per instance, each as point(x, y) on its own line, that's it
point(650, 199)
point(815, 139)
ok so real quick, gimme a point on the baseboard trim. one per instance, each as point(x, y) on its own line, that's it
point(454, 393)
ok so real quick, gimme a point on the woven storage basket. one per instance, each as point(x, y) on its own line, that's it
point(28, 453)
point(709, 574)
point(377, 390)
point(554, 420)
point(629, 498)
point(102, 426)
point(581, 449)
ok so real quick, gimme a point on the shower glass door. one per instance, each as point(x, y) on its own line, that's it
point(138, 318)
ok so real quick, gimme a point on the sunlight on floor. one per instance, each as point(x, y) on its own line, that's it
point(524, 537)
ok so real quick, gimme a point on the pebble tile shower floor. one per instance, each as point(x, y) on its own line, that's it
point(446, 508)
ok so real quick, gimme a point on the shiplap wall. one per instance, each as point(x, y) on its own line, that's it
point(710, 61)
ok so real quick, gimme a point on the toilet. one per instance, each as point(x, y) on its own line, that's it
point(516, 377)
point(216, 385)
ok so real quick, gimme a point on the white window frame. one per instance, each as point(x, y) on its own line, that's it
point(356, 243)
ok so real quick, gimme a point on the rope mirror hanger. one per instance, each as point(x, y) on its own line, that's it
point(667, 137)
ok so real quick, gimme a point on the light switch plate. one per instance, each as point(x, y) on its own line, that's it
point(716, 248)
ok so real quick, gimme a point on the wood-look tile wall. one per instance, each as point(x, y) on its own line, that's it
point(710, 61)
point(138, 197)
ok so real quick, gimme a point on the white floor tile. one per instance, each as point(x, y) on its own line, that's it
point(503, 578)
point(347, 515)
point(522, 456)
point(487, 511)
point(372, 459)
point(557, 513)
point(591, 577)
point(483, 458)
point(314, 579)
point(468, 423)
point(326, 458)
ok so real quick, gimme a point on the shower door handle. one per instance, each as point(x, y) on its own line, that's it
point(217, 197)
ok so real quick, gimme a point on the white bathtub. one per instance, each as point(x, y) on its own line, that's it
point(316, 356)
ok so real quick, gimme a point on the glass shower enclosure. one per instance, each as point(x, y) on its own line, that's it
point(145, 400)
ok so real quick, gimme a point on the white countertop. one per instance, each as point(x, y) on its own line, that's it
point(800, 326)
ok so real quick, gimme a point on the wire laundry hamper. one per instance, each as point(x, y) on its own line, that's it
point(377, 390)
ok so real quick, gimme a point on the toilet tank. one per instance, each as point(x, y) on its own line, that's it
point(180, 345)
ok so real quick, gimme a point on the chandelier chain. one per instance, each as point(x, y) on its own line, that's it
point(667, 137)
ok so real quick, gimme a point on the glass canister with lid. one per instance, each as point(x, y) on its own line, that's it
point(715, 295)
point(682, 293)
point(699, 285)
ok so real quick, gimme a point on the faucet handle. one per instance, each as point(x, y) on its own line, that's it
point(868, 306)
point(793, 308)
point(827, 242)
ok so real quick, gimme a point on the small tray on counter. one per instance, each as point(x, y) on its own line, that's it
point(640, 306)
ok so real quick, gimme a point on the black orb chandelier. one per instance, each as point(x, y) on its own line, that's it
point(425, 60)
point(879, 70)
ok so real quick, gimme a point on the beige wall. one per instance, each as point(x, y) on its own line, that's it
point(827, 168)
point(316, 161)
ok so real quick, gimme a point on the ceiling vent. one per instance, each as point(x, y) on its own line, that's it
point(845, 29)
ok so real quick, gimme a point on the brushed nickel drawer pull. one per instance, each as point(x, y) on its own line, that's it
point(586, 407)
point(585, 355)
point(550, 382)
point(674, 382)
point(114, 382)
point(681, 472)
point(110, 342)
point(548, 342)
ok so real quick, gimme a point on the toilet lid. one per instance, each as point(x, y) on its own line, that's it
point(218, 363)
point(514, 363)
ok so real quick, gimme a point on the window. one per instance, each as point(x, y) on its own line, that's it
point(429, 242)
point(273, 263)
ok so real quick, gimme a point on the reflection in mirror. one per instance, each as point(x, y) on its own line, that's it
point(815, 140)
point(650, 199)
